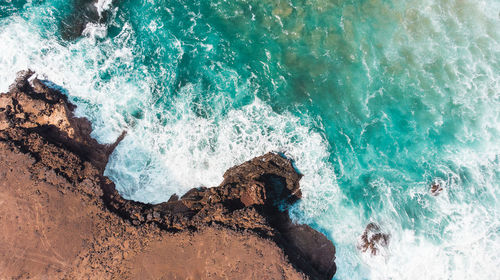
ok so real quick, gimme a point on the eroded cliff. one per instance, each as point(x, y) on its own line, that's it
point(65, 219)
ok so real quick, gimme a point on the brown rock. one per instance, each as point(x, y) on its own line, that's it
point(373, 239)
point(91, 223)
point(436, 188)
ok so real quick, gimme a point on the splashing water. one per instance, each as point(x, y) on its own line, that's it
point(374, 100)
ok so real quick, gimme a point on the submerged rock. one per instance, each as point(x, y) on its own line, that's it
point(83, 12)
point(253, 197)
point(373, 239)
point(436, 188)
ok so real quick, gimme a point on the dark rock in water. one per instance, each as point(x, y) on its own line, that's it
point(253, 196)
point(436, 188)
point(373, 239)
point(84, 12)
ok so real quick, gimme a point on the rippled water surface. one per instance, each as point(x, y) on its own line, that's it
point(374, 100)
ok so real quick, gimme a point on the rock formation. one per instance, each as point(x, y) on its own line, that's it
point(82, 13)
point(59, 166)
point(436, 188)
point(373, 239)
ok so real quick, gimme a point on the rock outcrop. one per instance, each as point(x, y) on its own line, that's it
point(436, 188)
point(83, 12)
point(373, 239)
point(38, 122)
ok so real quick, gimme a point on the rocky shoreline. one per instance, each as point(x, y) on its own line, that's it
point(65, 219)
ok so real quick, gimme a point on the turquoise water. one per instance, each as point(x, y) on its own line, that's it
point(374, 100)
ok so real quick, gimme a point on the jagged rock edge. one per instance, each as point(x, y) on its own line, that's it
point(247, 199)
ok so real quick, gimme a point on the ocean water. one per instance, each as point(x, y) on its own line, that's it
point(374, 100)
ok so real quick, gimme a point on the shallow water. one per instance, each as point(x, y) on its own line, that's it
point(374, 100)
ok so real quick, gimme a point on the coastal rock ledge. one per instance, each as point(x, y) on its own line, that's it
point(62, 218)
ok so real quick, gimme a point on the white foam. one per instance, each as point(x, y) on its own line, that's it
point(196, 151)
point(95, 30)
point(103, 5)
